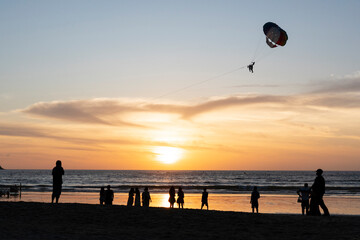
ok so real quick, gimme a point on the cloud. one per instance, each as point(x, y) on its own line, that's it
point(256, 86)
point(189, 111)
point(91, 111)
point(112, 112)
point(346, 84)
point(99, 111)
point(336, 93)
point(336, 101)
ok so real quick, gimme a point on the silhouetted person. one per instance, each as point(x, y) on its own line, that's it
point(172, 197)
point(146, 197)
point(102, 196)
point(251, 67)
point(57, 173)
point(109, 196)
point(137, 198)
point(131, 197)
point(317, 193)
point(180, 199)
point(204, 199)
point(255, 195)
point(304, 193)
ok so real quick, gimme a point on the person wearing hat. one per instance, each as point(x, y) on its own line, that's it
point(317, 193)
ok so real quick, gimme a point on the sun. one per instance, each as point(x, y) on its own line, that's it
point(168, 155)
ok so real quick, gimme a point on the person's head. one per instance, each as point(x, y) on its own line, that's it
point(204, 189)
point(319, 172)
point(255, 188)
point(108, 187)
point(102, 188)
point(146, 189)
point(306, 185)
point(180, 189)
point(58, 163)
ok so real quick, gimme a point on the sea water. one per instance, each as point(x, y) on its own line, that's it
point(228, 190)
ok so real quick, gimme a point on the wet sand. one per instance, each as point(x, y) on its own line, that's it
point(31, 220)
point(286, 204)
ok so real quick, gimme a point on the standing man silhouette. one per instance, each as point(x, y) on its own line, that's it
point(109, 196)
point(204, 199)
point(57, 173)
point(255, 195)
point(317, 193)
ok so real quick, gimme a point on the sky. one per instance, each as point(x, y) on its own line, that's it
point(163, 85)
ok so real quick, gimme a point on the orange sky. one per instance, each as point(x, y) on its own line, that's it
point(244, 132)
point(165, 85)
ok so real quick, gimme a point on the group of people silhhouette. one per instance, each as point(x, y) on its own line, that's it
point(106, 196)
point(180, 199)
point(311, 198)
point(146, 199)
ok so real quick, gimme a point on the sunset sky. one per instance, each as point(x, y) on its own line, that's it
point(150, 85)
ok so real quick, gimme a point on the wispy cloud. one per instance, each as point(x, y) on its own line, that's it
point(336, 101)
point(65, 135)
point(189, 111)
point(336, 93)
point(92, 111)
point(95, 111)
point(256, 86)
point(345, 84)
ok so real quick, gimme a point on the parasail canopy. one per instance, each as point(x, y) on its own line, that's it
point(275, 35)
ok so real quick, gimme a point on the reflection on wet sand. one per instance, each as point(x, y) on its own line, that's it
point(223, 202)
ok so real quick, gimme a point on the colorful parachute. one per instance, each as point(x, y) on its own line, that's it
point(275, 35)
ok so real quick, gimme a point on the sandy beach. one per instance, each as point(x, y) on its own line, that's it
point(31, 220)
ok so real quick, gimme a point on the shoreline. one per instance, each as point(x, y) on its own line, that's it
point(272, 203)
point(32, 220)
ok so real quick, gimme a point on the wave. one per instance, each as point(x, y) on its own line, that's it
point(270, 189)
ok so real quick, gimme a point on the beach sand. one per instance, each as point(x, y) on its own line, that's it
point(31, 220)
point(285, 204)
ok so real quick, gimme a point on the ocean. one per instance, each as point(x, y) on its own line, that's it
point(228, 190)
point(222, 182)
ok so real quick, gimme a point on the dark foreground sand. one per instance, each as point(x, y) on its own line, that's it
point(26, 220)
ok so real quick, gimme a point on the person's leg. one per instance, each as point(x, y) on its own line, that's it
point(302, 209)
point(316, 208)
point(313, 206)
point(307, 207)
point(324, 208)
